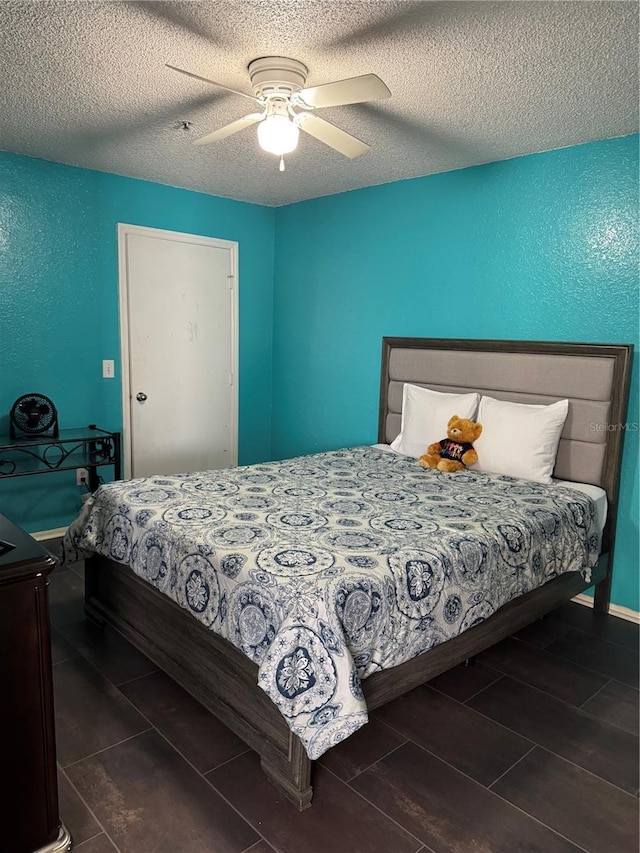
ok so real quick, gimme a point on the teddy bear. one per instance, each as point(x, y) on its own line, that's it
point(455, 452)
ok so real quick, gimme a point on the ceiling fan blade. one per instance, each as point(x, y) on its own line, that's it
point(355, 90)
point(213, 83)
point(228, 129)
point(331, 135)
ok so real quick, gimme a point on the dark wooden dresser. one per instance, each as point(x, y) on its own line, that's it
point(29, 817)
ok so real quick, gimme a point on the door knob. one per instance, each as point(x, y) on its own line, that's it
point(141, 397)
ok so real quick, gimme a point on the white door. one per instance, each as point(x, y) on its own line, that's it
point(178, 307)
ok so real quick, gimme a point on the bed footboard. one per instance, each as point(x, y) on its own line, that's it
point(208, 667)
point(225, 681)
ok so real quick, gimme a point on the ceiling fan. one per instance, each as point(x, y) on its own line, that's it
point(278, 88)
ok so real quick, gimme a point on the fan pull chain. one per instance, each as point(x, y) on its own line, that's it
point(282, 164)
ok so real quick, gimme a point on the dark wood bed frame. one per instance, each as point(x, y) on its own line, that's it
point(225, 681)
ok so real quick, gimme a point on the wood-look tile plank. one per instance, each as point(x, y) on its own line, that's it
point(261, 847)
point(73, 812)
point(66, 597)
point(537, 667)
point(148, 797)
point(543, 632)
point(364, 747)
point(454, 732)
point(61, 649)
point(339, 821)
point(463, 681)
point(78, 568)
point(592, 813)
point(90, 712)
point(99, 844)
point(616, 704)
point(606, 751)
point(197, 734)
point(603, 656)
point(607, 627)
point(108, 651)
point(449, 812)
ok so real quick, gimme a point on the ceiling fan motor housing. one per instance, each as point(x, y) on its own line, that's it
point(276, 76)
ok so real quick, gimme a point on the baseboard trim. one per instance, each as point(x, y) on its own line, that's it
point(43, 535)
point(614, 609)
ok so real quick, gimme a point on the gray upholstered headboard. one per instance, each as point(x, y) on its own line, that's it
point(594, 377)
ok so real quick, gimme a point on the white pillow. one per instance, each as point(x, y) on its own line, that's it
point(425, 415)
point(519, 440)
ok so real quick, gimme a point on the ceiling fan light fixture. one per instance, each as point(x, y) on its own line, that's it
point(279, 88)
point(278, 135)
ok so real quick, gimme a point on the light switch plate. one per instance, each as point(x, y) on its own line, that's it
point(108, 368)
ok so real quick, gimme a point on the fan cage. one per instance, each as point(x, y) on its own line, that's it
point(33, 414)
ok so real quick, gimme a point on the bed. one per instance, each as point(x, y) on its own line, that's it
point(354, 657)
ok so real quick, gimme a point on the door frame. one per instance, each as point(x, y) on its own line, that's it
point(124, 231)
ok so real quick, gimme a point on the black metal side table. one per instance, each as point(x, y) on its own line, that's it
point(89, 448)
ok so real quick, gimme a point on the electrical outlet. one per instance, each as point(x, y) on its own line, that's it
point(82, 477)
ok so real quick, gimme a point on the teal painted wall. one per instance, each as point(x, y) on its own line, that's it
point(59, 304)
point(538, 247)
point(543, 246)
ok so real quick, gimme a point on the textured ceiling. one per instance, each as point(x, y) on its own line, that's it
point(85, 83)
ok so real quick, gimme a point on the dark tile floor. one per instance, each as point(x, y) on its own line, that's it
point(532, 748)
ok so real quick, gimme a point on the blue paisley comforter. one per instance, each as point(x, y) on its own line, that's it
point(327, 568)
